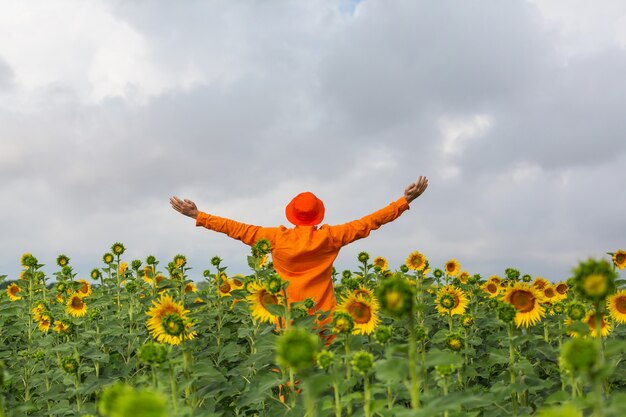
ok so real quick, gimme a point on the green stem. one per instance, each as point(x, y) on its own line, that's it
point(309, 399)
point(512, 368)
point(367, 394)
point(415, 383)
point(337, 399)
point(445, 393)
point(173, 389)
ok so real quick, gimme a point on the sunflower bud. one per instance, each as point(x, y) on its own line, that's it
point(296, 349)
point(576, 311)
point(594, 280)
point(107, 258)
point(69, 365)
point(382, 334)
point(467, 321)
point(216, 261)
point(397, 297)
point(118, 249)
point(512, 274)
point(506, 312)
point(180, 261)
point(438, 273)
point(362, 362)
point(363, 257)
point(325, 359)
point(135, 264)
point(309, 303)
point(579, 355)
point(153, 353)
point(274, 284)
point(95, 274)
point(455, 342)
point(151, 260)
point(445, 370)
point(62, 260)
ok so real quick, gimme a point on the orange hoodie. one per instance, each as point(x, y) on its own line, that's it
point(304, 255)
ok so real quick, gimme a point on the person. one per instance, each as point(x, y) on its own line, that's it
point(304, 254)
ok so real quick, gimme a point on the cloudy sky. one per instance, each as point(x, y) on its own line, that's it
point(513, 109)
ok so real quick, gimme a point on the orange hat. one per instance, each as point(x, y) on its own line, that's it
point(305, 210)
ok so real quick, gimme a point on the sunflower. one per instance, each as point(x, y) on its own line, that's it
point(63, 326)
point(619, 259)
point(495, 278)
point(148, 273)
point(226, 287)
point(259, 299)
point(263, 261)
point(238, 281)
point(76, 306)
point(40, 309)
point(549, 294)
point(540, 283)
point(381, 263)
point(463, 276)
point(452, 267)
point(85, 288)
point(12, 291)
point(416, 261)
point(367, 293)
point(190, 287)
point(450, 300)
point(561, 289)
point(527, 301)
point(590, 320)
point(364, 312)
point(616, 304)
point(63, 260)
point(44, 322)
point(492, 288)
point(168, 322)
point(123, 267)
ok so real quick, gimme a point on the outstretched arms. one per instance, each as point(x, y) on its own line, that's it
point(186, 207)
point(414, 190)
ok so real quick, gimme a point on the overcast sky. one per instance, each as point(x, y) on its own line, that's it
point(514, 110)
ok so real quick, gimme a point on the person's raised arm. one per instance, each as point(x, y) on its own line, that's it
point(358, 229)
point(247, 233)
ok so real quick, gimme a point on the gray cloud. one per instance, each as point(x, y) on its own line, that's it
point(262, 100)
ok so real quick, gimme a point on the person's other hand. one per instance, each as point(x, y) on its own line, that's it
point(414, 190)
point(186, 207)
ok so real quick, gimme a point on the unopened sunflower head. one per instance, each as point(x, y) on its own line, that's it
point(62, 260)
point(594, 280)
point(397, 297)
point(296, 349)
point(362, 362)
point(153, 353)
point(324, 359)
point(579, 355)
point(382, 334)
point(69, 364)
point(117, 248)
point(274, 284)
point(107, 258)
point(455, 342)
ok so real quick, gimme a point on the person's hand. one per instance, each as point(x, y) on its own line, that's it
point(186, 207)
point(414, 190)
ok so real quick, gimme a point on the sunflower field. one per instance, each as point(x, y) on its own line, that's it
point(141, 339)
